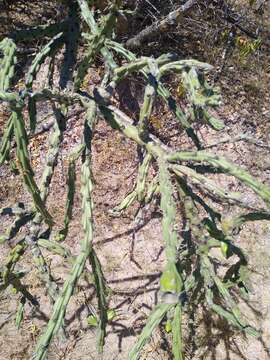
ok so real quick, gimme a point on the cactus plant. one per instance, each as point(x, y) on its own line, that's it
point(174, 182)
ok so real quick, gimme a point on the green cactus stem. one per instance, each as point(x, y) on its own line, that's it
point(79, 264)
point(149, 98)
point(7, 64)
point(95, 45)
point(177, 347)
point(227, 167)
point(39, 31)
point(27, 172)
point(6, 141)
point(71, 191)
point(154, 319)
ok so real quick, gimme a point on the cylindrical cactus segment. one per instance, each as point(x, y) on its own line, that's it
point(7, 64)
point(20, 312)
point(227, 167)
point(39, 31)
point(12, 259)
point(71, 178)
point(233, 315)
point(95, 45)
point(86, 245)
point(142, 176)
point(87, 206)
point(154, 319)
point(5, 143)
point(177, 347)
point(169, 212)
point(46, 51)
point(149, 98)
point(27, 171)
point(201, 96)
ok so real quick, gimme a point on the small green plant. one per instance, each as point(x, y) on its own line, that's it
point(247, 47)
point(189, 266)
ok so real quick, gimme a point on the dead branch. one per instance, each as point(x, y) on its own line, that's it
point(160, 26)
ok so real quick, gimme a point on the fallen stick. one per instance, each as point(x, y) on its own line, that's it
point(160, 26)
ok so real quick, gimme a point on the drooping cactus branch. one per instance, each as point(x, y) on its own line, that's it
point(27, 172)
point(79, 264)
